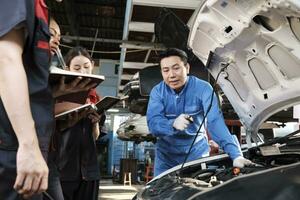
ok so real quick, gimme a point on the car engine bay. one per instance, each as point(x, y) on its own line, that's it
point(202, 177)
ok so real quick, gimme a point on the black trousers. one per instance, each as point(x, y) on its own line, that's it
point(8, 176)
point(54, 187)
point(81, 189)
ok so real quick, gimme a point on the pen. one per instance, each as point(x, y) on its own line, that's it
point(189, 118)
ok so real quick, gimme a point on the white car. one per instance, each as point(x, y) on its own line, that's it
point(252, 49)
point(135, 129)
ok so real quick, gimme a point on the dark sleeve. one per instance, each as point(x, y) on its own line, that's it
point(12, 13)
point(102, 121)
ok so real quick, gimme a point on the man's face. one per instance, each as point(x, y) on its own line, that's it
point(174, 72)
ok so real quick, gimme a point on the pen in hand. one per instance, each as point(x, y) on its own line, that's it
point(189, 118)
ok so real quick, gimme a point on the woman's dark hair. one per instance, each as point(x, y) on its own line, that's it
point(174, 52)
point(76, 51)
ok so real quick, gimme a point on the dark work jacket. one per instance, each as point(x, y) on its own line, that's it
point(75, 153)
point(33, 15)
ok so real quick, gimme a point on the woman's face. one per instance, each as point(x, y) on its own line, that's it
point(55, 36)
point(81, 64)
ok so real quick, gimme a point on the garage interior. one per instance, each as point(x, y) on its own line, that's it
point(125, 37)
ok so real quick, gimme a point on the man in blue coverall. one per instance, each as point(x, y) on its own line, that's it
point(172, 102)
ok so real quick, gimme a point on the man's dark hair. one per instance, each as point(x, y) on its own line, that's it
point(174, 52)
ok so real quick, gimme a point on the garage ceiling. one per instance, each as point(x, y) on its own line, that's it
point(119, 30)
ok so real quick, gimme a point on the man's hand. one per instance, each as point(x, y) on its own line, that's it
point(241, 162)
point(77, 85)
point(32, 171)
point(181, 122)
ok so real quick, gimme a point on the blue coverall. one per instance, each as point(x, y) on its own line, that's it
point(165, 105)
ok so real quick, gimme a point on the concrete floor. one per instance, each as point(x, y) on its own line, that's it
point(112, 191)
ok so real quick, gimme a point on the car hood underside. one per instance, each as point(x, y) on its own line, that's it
point(255, 47)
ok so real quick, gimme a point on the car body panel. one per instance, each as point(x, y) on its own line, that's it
point(135, 128)
point(257, 51)
point(275, 175)
point(252, 49)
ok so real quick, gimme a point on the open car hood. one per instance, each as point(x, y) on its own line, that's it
point(255, 46)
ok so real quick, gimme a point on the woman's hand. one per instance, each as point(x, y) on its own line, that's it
point(65, 106)
point(94, 116)
point(72, 119)
point(77, 85)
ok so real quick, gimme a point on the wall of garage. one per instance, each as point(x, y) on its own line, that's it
point(108, 68)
